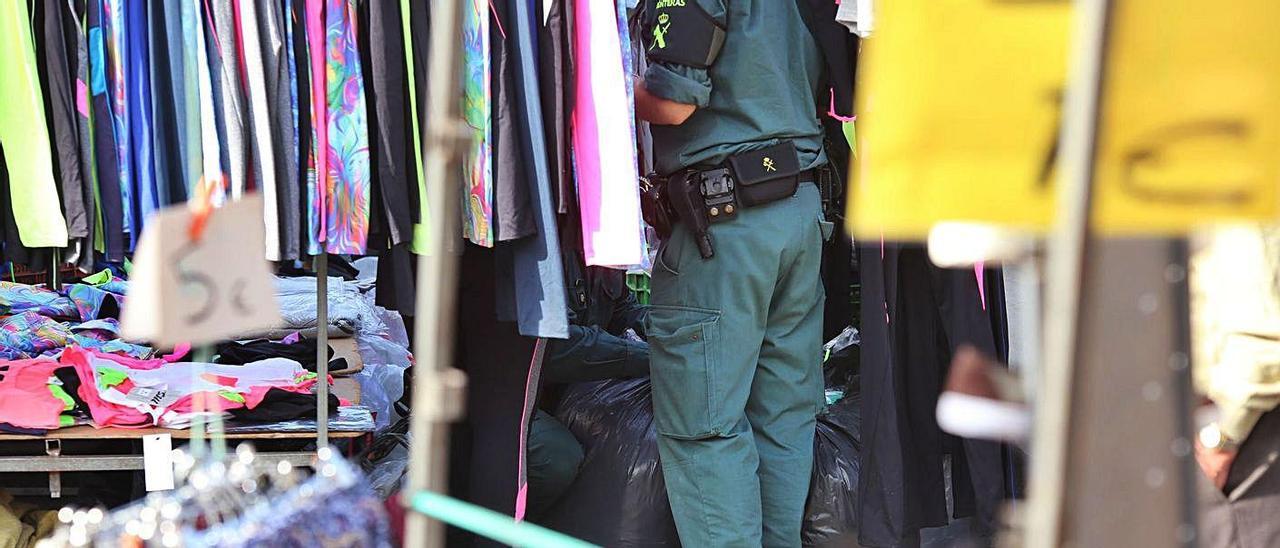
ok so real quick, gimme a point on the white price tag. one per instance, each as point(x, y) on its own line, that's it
point(157, 462)
point(201, 291)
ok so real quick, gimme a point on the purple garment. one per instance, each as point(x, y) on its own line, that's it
point(16, 298)
point(29, 335)
point(90, 300)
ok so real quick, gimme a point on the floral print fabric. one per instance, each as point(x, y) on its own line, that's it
point(477, 212)
point(346, 187)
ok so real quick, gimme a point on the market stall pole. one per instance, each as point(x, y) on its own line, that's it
point(438, 388)
point(1116, 369)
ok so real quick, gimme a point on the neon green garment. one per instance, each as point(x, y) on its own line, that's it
point(24, 135)
point(419, 245)
point(108, 377)
point(61, 394)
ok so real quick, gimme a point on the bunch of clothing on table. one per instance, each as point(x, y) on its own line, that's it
point(62, 362)
point(87, 387)
point(35, 321)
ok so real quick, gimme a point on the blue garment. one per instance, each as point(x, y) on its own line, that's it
point(541, 308)
point(168, 102)
point(215, 78)
point(104, 140)
point(138, 76)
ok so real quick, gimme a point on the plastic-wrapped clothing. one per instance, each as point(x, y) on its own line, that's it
point(829, 516)
point(349, 309)
point(385, 357)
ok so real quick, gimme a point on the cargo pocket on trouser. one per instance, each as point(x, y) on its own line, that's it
point(684, 345)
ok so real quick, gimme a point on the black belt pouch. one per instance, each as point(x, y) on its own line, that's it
point(766, 175)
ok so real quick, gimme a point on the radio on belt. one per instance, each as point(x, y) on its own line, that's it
point(718, 196)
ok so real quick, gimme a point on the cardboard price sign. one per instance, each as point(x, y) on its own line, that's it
point(958, 114)
point(1189, 130)
point(960, 108)
point(205, 290)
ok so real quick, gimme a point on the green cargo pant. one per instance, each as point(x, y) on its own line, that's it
point(736, 346)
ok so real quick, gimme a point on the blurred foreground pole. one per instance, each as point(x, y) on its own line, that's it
point(1111, 461)
point(438, 388)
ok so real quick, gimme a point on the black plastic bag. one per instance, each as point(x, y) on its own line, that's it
point(619, 497)
point(829, 517)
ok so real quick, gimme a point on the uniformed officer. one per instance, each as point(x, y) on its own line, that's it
point(736, 338)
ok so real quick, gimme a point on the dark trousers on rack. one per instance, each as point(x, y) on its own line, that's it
point(485, 448)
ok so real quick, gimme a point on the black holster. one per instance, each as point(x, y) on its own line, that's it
point(663, 201)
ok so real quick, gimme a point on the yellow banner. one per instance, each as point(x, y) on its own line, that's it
point(958, 113)
point(1190, 115)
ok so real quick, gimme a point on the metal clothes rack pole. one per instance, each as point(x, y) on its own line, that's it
point(438, 389)
point(54, 263)
point(1065, 269)
point(321, 264)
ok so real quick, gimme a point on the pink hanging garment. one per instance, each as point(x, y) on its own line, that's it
point(608, 198)
point(315, 26)
point(25, 399)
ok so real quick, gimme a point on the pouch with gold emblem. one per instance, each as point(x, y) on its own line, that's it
point(766, 175)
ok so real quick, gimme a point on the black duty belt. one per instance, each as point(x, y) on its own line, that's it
point(702, 197)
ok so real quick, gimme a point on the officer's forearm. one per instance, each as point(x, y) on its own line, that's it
point(656, 110)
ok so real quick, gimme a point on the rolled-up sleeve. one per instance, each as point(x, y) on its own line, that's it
point(680, 83)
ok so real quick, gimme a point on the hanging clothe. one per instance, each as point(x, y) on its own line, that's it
point(23, 132)
point(608, 197)
point(142, 189)
point(318, 168)
point(75, 30)
point(261, 57)
point(295, 28)
point(106, 150)
point(477, 165)
point(113, 29)
point(182, 28)
point(235, 113)
point(211, 151)
point(541, 309)
point(346, 206)
point(415, 27)
point(57, 56)
point(555, 54)
point(914, 316)
point(276, 49)
point(168, 103)
point(512, 206)
point(390, 138)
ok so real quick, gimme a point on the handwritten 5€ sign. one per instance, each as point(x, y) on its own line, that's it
point(201, 291)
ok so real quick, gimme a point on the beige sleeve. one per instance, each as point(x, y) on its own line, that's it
point(1236, 324)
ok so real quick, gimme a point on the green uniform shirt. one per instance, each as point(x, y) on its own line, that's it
point(762, 89)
